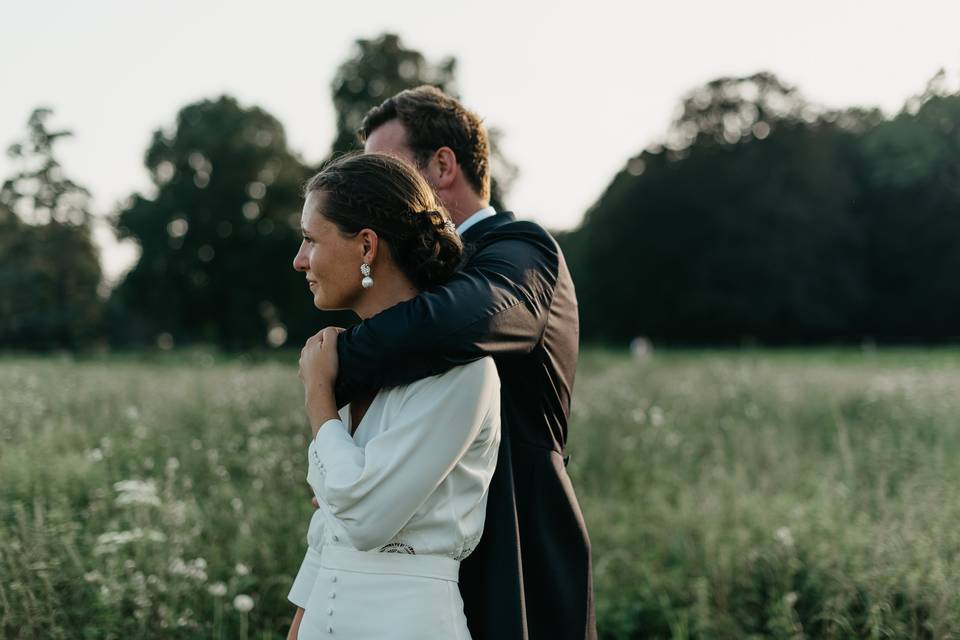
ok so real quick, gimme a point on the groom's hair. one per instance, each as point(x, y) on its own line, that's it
point(432, 120)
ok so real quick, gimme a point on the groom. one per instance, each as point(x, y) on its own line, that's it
point(530, 575)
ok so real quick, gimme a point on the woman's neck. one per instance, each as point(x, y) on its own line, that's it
point(390, 287)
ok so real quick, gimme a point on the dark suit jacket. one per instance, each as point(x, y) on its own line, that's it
point(530, 576)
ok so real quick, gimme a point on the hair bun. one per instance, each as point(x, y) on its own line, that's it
point(434, 250)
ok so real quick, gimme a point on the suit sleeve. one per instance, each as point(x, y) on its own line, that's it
point(496, 305)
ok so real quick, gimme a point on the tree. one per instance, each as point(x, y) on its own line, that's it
point(378, 69)
point(912, 226)
point(729, 110)
point(742, 229)
point(382, 67)
point(218, 237)
point(49, 266)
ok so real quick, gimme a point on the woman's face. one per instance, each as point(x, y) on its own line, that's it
point(330, 258)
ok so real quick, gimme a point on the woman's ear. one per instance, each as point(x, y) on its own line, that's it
point(369, 245)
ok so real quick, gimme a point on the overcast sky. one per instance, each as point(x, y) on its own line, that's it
point(576, 88)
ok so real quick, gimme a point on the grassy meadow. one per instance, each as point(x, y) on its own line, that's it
point(755, 494)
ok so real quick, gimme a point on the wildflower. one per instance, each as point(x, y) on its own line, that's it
point(217, 589)
point(112, 540)
point(243, 603)
point(785, 537)
point(136, 492)
point(195, 569)
point(657, 416)
point(242, 569)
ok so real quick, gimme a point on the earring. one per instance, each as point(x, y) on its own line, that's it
point(367, 281)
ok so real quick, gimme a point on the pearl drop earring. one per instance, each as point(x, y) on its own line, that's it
point(367, 281)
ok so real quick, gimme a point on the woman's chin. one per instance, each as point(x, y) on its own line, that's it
point(323, 304)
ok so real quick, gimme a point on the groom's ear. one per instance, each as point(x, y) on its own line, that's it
point(445, 169)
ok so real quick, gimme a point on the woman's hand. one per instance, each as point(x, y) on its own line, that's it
point(319, 365)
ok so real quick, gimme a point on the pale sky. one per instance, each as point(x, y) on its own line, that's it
point(576, 88)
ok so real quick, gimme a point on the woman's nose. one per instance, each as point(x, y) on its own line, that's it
point(300, 262)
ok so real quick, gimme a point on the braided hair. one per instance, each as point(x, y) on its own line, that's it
point(387, 195)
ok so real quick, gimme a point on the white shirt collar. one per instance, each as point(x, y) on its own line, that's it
point(475, 218)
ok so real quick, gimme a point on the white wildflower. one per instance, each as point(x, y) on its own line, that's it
point(657, 416)
point(243, 603)
point(136, 492)
point(242, 569)
point(195, 569)
point(112, 540)
point(217, 589)
point(785, 537)
point(259, 425)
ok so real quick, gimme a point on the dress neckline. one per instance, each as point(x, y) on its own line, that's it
point(349, 421)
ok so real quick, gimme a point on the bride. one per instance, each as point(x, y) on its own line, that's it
point(401, 477)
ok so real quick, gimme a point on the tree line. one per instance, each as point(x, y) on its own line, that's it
point(766, 219)
point(759, 218)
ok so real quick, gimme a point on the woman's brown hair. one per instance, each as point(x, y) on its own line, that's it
point(388, 196)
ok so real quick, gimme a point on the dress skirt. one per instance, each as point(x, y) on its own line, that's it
point(369, 595)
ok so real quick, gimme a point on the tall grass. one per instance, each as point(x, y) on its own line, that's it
point(728, 495)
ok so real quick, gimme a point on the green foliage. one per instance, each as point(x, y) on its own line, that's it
point(49, 267)
point(219, 236)
point(382, 67)
point(220, 233)
point(767, 218)
point(377, 69)
point(912, 177)
point(728, 495)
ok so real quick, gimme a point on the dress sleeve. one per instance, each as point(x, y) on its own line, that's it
point(306, 578)
point(374, 490)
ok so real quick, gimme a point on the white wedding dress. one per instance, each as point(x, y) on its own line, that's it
point(401, 503)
